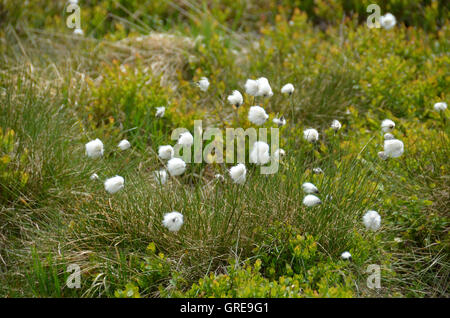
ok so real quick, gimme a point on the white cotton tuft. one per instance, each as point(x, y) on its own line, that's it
point(94, 176)
point(440, 107)
point(309, 188)
point(311, 135)
point(260, 153)
point(238, 173)
point(372, 220)
point(176, 166)
point(160, 111)
point(346, 256)
point(114, 184)
point(161, 176)
point(173, 221)
point(317, 170)
point(203, 83)
point(251, 87)
point(288, 89)
point(257, 115)
point(165, 152)
point(387, 125)
point(78, 31)
point(311, 200)
point(94, 148)
point(124, 145)
point(393, 148)
point(388, 21)
point(278, 154)
point(336, 125)
point(264, 88)
point(186, 139)
point(236, 99)
point(279, 121)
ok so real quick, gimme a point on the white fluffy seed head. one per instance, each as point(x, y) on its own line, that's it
point(387, 125)
point(288, 89)
point(251, 87)
point(94, 176)
point(257, 115)
point(160, 111)
point(264, 88)
point(238, 173)
point(165, 152)
point(260, 153)
point(114, 184)
point(393, 148)
point(372, 220)
point(203, 83)
point(311, 135)
point(346, 255)
point(161, 176)
point(78, 31)
point(309, 188)
point(336, 125)
point(176, 166)
point(311, 200)
point(236, 99)
point(278, 154)
point(279, 121)
point(186, 139)
point(94, 148)
point(124, 145)
point(317, 170)
point(388, 21)
point(440, 107)
point(173, 221)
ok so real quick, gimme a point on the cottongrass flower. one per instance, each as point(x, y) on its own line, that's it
point(176, 166)
point(236, 99)
point(372, 220)
point(173, 221)
point(186, 139)
point(288, 89)
point(257, 115)
point(160, 111)
point(78, 31)
point(94, 148)
point(440, 107)
point(203, 83)
point(238, 173)
point(388, 21)
point(311, 135)
point(336, 125)
point(124, 145)
point(311, 200)
point(387, 125)
point(346, 256)
point(165, 152)
point(264, 88)
point(279, 121)
point(260, 153)
point(317, 170)
point(251, 87)
point(94, 177)
point(278, 154)
point(161, 176)
point(114, 184)
point(309, 188)
point(393, 148)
